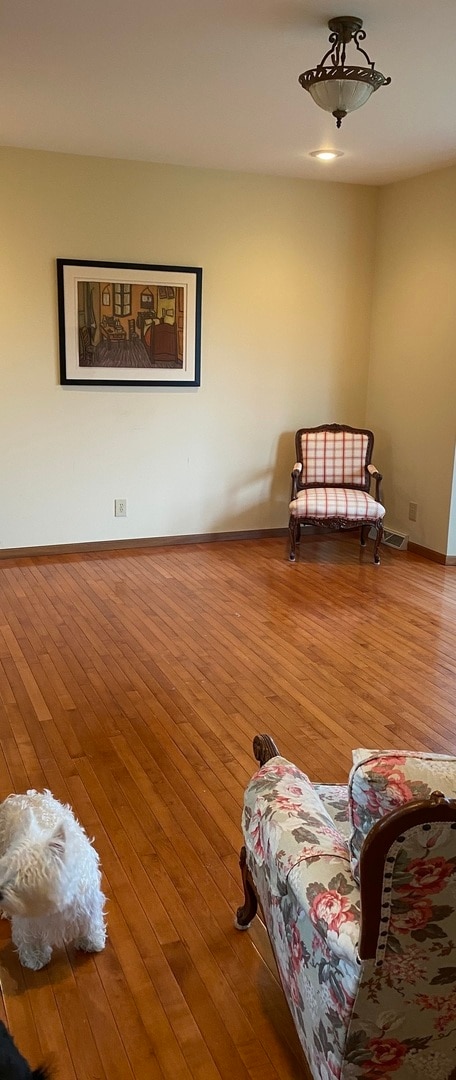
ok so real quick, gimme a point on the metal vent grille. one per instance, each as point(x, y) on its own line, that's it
point(392, 539)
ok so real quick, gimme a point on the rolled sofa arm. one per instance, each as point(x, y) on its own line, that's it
point(285, 822)
point(294, 850)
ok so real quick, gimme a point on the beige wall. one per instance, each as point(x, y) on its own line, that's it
point(412, 376)
point(286, 309)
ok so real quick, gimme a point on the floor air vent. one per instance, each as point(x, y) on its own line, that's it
point(392, 539)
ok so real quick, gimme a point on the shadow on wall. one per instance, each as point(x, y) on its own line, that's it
point(261, 499)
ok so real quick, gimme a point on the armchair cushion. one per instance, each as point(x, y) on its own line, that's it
point(381, 781)
point(329, 502)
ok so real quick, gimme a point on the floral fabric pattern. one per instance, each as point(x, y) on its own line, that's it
point(389, 1018)
point(300, 865)
point(404, 1022)
point(335, 801)
point(380, 781)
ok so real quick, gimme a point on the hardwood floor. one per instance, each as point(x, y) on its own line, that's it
point(132, 684)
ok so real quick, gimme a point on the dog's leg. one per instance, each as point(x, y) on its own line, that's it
point(33, 951)
point(93, 933)
point(35, 956)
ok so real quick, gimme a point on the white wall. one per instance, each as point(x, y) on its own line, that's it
point(412, 375)
point(286, 308)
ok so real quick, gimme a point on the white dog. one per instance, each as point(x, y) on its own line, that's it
point(49, 879)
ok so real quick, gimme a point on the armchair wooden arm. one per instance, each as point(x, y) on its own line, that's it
point(377, 476)
point(295, 474)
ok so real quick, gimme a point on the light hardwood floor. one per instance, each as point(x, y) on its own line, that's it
point(132, 684)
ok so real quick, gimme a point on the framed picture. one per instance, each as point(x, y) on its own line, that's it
point(129, 324)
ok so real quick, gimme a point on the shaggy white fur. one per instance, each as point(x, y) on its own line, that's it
point(49, 879)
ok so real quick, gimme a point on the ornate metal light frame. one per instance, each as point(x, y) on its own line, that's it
point(344, 28)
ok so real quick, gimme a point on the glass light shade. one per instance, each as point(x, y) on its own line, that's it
point(344, 94)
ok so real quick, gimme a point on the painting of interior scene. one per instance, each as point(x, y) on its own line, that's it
point(130, 325)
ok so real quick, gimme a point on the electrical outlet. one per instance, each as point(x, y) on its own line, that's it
point(120, 508)
point(413, 510)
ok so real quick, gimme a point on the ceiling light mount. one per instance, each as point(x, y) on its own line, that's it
point(341, 88)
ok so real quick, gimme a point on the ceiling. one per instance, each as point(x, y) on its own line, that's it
point(214, 83)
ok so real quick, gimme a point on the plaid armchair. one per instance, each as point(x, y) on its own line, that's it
point(368, 970)
point(331, 481)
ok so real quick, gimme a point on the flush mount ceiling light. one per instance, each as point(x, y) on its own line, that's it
point(341, 88)
point(326, 155)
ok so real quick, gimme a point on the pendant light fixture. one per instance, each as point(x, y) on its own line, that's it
point(340, 88)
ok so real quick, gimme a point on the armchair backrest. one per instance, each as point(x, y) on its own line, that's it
point(334, 455)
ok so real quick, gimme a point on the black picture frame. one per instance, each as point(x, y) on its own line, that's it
point(106, 338)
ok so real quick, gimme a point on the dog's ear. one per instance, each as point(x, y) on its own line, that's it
point(41, 1074)
point(57, 841)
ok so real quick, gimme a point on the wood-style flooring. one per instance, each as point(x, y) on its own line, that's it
point(132, 684)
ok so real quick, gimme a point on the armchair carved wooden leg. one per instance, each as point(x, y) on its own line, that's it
point(378, 540)
point(294, 530)
point(362, 538)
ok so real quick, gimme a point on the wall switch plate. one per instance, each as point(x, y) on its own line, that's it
point(413, 510)
point(120, 508)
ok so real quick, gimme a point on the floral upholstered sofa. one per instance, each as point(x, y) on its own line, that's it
point(368, 969)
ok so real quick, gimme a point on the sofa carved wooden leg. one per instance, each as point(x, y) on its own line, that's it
point(246, 914)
